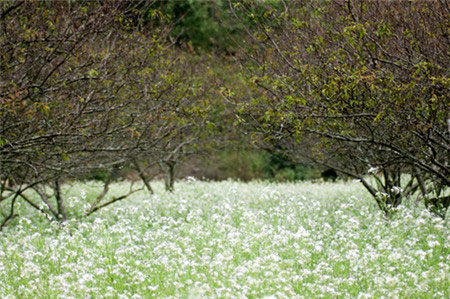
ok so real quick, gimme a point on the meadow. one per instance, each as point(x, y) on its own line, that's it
point(228, 240)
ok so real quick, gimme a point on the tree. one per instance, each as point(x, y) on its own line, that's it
point(85, 86)
point(357, 86)
point(53, 110)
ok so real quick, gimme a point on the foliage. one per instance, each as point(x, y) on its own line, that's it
point(85, 87)
point(206, 26)
point(200, 24)
point(99, 87)
point(356, 85)
point(246, 165)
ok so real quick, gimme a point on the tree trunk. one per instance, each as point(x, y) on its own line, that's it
point(62, 214)
point(143, 176)
point(170, 175)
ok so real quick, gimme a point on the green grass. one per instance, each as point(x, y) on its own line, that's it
point(229, 240)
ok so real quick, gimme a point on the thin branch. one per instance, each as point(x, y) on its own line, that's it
point(113, 200)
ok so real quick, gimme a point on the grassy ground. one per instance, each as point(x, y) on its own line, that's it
point(229, 240)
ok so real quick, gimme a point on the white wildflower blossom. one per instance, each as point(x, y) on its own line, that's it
point(229, 240)
point(373, 170)
point(396, 190)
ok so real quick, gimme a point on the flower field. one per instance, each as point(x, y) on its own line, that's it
point(229, 240)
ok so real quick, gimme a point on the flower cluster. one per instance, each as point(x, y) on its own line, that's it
point(231, 240)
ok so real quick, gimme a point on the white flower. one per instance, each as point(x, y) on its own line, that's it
point(396, 190)
point(433, 243)
point(373, 170)
point(381, 194)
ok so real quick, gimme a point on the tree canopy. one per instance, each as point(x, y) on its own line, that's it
point(358, 86)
